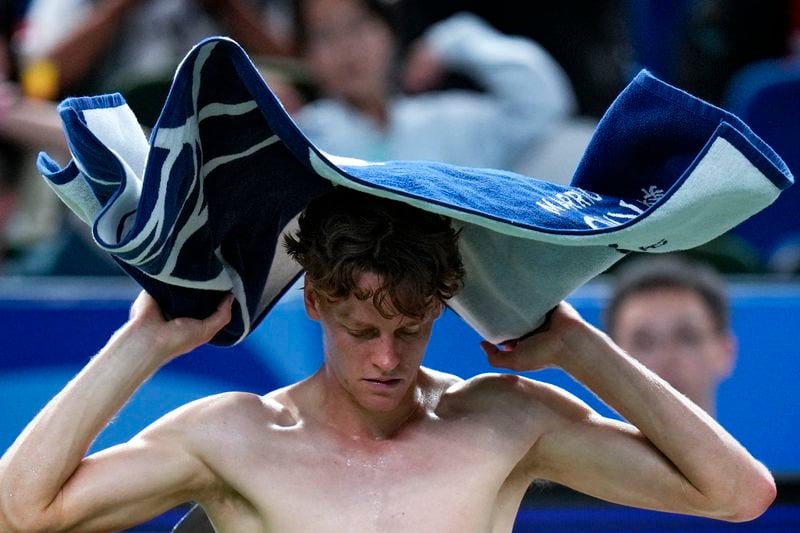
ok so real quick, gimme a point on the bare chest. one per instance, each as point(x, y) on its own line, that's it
point(443, 481)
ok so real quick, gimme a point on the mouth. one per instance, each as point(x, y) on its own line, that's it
point(383, 384)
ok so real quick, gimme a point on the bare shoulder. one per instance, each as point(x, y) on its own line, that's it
point(213, 417)
point(493, 387)
point(218, 406)
point(511, 395)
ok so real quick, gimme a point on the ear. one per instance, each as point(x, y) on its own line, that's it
point(727, 355)
point(310, 300)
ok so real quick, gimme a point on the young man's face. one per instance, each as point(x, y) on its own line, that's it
point(374, 360)
point(672, 332)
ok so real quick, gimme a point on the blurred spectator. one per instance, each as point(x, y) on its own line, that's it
point(9, 155)
point(28, 211)
point(134, 46)
point(672, 314)
point(702, 46)
point(698, 45)
point(794, 36)
point(76, 47)
point(785, 259)
point(590, 39)
point(721, 36)
point(370, 107)
point(766, 95)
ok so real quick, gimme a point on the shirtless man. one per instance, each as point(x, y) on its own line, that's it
point(373, 441)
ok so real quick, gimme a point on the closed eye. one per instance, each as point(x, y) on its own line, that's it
point(363, 333)
point(409, 333)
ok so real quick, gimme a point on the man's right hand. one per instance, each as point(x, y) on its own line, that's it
point(552, 345)
point(171, 338)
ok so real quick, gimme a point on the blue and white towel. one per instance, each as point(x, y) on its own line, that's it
point(199, 209)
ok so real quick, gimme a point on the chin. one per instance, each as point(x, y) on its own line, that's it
point(380, 404)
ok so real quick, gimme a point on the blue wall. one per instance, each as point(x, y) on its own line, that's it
point(49, 329)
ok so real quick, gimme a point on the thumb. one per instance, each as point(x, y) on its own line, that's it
point(222, 316)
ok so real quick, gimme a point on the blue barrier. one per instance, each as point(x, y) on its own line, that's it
point(777, 519)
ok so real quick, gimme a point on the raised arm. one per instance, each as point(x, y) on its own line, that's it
point(525, 91)
point(46, 484)
point(31, 123)
point(671, 457)
point(85, 38)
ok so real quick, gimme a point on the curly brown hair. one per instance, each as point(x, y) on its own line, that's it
point(345, 233)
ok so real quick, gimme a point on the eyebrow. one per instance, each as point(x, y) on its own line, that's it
point(345, 315)
point(345, 318)
point(355, 324)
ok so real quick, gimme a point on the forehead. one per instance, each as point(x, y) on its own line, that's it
point(355, 312)
point(353, 309)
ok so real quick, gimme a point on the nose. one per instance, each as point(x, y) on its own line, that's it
point(669, 358)
point(659, 359)
point(385, 355)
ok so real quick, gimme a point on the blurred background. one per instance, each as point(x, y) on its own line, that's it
point(61, 297)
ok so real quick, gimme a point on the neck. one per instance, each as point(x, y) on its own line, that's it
point(339, 410)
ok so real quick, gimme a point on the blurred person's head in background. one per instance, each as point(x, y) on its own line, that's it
point(350, 47)
point(672, 314)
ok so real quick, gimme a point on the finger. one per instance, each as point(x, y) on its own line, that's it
point(497, 358)
point(503, 360)
point(222, 315)
point(489, 349)
point(141, 304)
point(226, 302)
point(509, 346)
